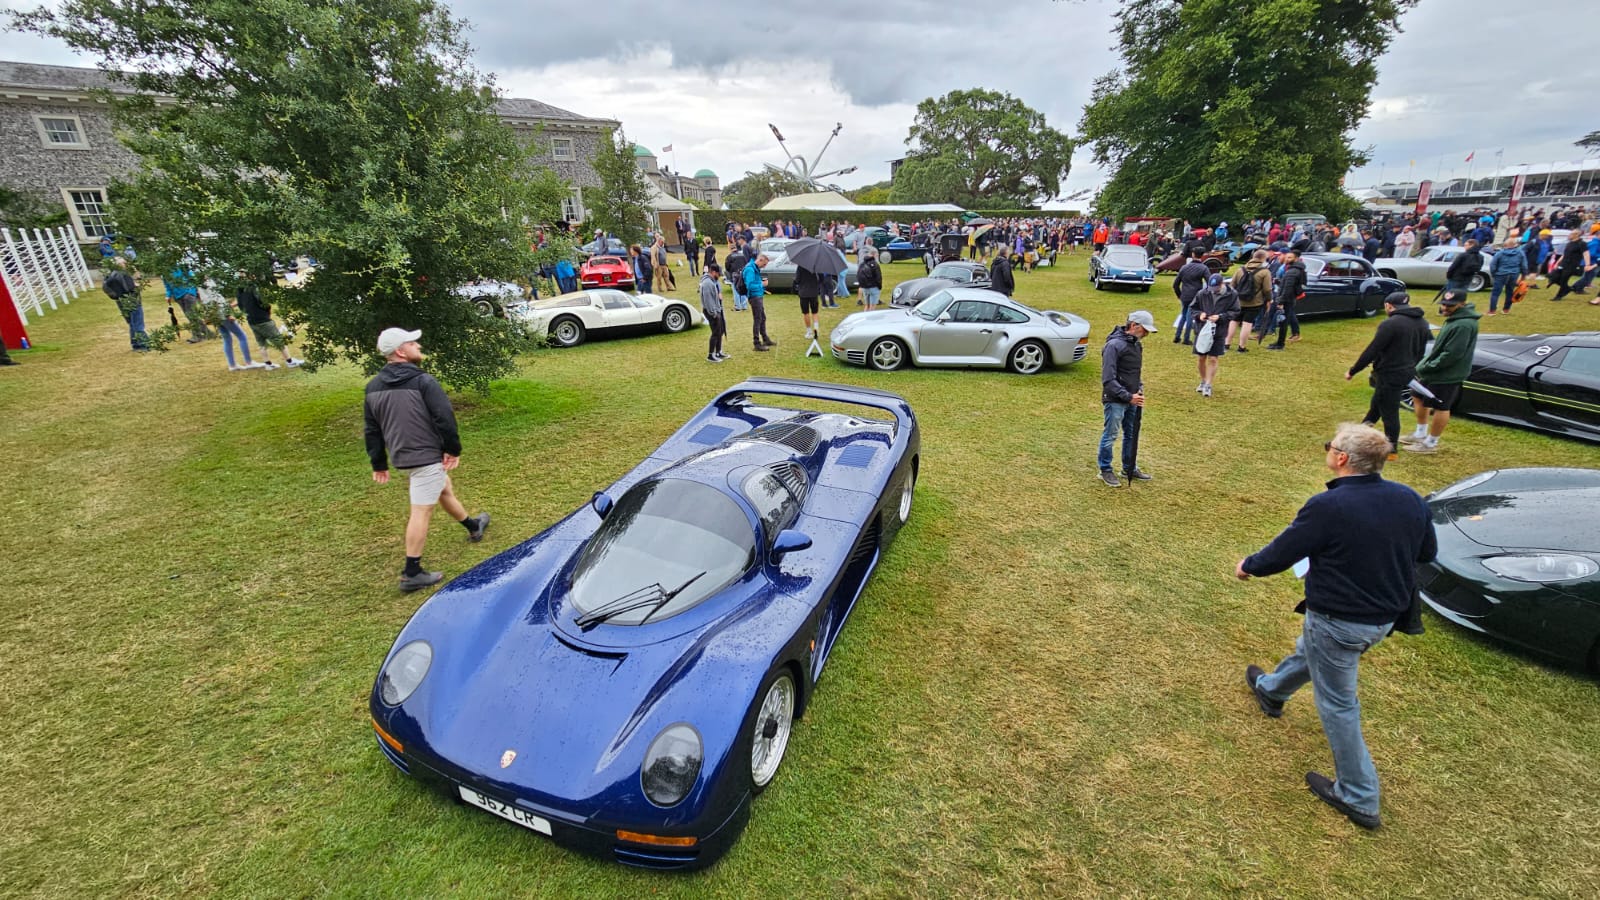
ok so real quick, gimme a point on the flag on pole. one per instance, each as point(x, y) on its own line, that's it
point(1471, 155)
point(667, 149)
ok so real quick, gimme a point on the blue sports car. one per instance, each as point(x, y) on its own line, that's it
point(626, 682)
point(1122, 264)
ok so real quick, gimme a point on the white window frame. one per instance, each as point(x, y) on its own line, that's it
point(572, 207)
point(571, 154)
point(44, 133)
point(77, 217)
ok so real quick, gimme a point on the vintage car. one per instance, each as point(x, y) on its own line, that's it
point(1546, 382)
point(490, 297)
point(614, 247)
point(780, 274)
point(1427, 269)
point(1215, 260)
point(1519, 560)
point(1340, 284)
point(773, 247)
point(606, 271)
point(627, 681)
point(913, 247)
point(877, 235)
point(1122, 264)
point(967, 327)
point(571, 319)
point(956, 273)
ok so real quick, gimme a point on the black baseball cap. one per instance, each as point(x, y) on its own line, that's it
point(1452, 298)
point(1398, 298)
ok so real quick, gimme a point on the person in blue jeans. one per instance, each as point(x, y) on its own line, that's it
point(230, 329)
point(1363, 538)
point(1122, 395)
point(123, 289)
point(1507, 268)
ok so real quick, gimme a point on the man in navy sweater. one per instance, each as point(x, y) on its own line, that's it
point(1363, 538)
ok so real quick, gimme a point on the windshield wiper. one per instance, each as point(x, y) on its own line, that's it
point(654, 596)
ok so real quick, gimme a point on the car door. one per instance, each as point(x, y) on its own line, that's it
point(616, 310)
point(1335, 288)
point(1565, 388)
point(961, 334)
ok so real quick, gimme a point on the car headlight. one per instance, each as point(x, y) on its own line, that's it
point(897, 292)
point(404, 672)
point(1463, 484)
point(1541, 568)
point(671, 765)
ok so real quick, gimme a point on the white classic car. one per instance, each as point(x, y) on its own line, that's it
point(1427, 269)
point(570, 319)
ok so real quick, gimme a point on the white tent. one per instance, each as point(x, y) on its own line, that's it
point(818, 200)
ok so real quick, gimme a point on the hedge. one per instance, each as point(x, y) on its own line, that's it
point(715, 221)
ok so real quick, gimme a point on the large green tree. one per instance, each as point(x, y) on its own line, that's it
point(1234, 108)
point(756, 188)
point(354, 132)
point(981, 147)
point(621, 206)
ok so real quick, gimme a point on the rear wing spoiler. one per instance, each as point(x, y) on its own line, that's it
point(894, 404)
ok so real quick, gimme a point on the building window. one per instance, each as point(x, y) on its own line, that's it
point(572, 207)
point(61, 132)
point(90, 216)
point(561, 149)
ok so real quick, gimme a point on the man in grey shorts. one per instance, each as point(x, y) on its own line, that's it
point(409, 419)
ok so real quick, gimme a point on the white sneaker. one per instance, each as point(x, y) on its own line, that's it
point(269, 365)
point(1413, 439)
point(234, 368)
point(1207, 391)
point(295, 363)
point(254, 365)
point(1200, 388)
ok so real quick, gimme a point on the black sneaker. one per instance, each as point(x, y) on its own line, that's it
point(417, 582)
point(1110, 478)
point(1322, 786)
point(1273, 708)
point(1274, 347)
point(482, 525)
point(1134, 474)
point(761, 348)
point(1244, 350)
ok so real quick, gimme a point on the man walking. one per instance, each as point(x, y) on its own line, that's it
point(1000, 277)
point(121, 287)
point(755, 288)
point(1217, 306)
point(1122, 395)
point(1458, 277)
point(409, 419)
point(711, 305)
point(1508, 267)
point(1190, 282)
point(1442, 372)
point(1253, 285)
point(808, 286)
point(1364, 537)
point(1393, 353)
point(1291, 287)
point(736, 263)
point(869, 276)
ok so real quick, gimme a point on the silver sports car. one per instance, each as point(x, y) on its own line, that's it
point(1428, 268)
point(780, 274)
point(962, 327)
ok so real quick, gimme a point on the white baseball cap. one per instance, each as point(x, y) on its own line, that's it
point(392, 338)
point(1143, 318)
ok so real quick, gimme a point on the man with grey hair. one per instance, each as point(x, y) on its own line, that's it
point(1122, 395)
point(1362, 539)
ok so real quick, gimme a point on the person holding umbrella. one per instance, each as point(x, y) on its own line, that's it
point(810, 257)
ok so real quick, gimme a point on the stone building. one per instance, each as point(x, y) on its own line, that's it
point(56, 141)
point(703, 185)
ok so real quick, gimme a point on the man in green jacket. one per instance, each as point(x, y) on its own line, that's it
point(1442, 371)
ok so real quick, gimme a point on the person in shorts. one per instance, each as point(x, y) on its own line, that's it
point(258, 315)
point(1442, 371)
point(409, 420)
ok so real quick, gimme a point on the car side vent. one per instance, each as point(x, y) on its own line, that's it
point(801, 438)
point(793, 478)
point(857, 456)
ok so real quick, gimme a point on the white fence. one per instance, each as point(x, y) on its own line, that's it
point(42, 268)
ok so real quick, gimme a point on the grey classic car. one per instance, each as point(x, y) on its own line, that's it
point(962, 326)
point(1428, 268)
point(946, 274)
point(780, 274)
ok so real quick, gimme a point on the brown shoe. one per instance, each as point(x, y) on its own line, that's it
point(1294, 338)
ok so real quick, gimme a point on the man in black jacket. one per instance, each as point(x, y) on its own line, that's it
point(1363, 539)
point(409, 419)
point(1188, 284)
point(1291, 287)
point(1467, 263)
point(1394, 352)
point(121, 287)
point(1122, 395)
point(1000, 277)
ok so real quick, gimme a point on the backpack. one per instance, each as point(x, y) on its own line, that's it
point(1244, 284)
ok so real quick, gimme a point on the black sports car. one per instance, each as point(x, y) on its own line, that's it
point(1549, 382)
point(1519, 559)
point(1337, 283)
point(955, 273)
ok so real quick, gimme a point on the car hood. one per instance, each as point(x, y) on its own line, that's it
point(1529, 509)
point(915, 285)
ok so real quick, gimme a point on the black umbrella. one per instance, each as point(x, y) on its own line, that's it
point(979, 220)
point(810, 253)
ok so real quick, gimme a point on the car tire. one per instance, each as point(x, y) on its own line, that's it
point(1028, 358)
point(1099, 283)
point(1368, 308)
point(1388, 273)
point(768, 727)
point(1215, 265)
point(675, 319)
point(485, 307)
point(887, 354)
point(1144, 288)
point(566, 331)
point(907, 492)
point(1479, 282)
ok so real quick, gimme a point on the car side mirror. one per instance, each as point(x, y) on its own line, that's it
point(601, 503)
point(943, 318)
point(788, 541)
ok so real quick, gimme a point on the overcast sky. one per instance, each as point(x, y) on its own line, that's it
point(1464, 76)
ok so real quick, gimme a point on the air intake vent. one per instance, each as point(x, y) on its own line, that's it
point(857, 456)
point(711, 435)
point(801, 438)
point(793, 478)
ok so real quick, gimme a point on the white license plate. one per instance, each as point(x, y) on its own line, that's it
point(506, 811)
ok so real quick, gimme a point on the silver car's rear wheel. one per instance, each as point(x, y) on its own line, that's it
point(675, 320)
point(1479, 282)
point(567, 332)
point(886, 354)
point(770, 729)
point(1028, 358)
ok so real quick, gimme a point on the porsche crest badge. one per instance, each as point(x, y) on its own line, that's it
point(507, 758)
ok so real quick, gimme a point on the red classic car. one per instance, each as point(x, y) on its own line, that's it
point(606, 271)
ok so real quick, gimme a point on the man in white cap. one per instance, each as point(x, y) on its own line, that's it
point(1122, 395)
point(409, 420)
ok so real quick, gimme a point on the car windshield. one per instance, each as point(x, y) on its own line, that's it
point(1127, 257)
point(953, 273)
point(663, 532)
point(931, 308)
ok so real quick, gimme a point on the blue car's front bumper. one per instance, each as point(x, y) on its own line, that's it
point(717, 832)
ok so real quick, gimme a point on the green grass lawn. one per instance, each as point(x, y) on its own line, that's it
point(1040, 693)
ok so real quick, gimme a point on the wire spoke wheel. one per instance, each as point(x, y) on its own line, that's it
point(774, 722)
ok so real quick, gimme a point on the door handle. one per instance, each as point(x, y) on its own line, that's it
point(987, 331)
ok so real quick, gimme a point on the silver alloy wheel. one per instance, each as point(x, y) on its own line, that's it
point(1097, 283)
point(675, 320)
point(906, 491)
point(1479, 282)
point(1027, 358)
point(485, 307)
point(770, 736)
point(567, 332)
point(886, 354)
